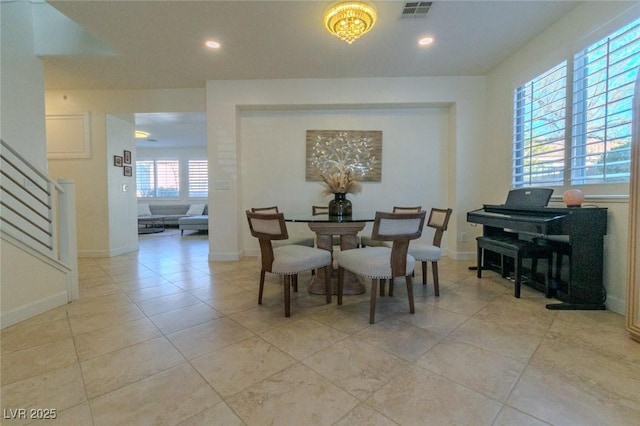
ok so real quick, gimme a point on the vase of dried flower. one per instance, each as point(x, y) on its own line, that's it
point(340, 206)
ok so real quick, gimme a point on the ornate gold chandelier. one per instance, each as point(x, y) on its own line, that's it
point(349, 20)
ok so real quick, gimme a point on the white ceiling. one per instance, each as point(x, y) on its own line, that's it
point(171, 130)
point(159, 44)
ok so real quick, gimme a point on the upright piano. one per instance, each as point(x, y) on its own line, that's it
point(574, 232)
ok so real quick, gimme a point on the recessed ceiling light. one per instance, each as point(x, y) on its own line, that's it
point(425, 41)
point(212, 44)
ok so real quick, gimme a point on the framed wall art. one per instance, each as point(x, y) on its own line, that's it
point(128, 171)
point(117, 161)
point(127, 157)
point(339, 151)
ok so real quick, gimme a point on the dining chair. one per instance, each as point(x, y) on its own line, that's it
point(382, 263)
point(287, 260)
point(303, 241)
point(316, 210)
point(369, 241)
point(424, 252)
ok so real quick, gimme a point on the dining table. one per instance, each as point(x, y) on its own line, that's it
point(326, 227)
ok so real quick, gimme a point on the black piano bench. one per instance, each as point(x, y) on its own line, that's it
point(517, 250)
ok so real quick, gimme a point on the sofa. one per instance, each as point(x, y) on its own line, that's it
point(193, 223)
point(185, 216)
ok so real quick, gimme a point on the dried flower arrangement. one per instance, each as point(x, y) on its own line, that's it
point(340, 182)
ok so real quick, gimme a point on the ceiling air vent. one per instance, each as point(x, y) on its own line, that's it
point(416, 9)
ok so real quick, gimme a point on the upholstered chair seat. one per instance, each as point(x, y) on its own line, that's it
point(292, 259)
point(372, 262)
point(425, 252)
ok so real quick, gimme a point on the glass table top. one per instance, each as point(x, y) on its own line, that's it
point(308, 217)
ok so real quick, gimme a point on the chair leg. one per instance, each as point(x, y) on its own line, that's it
point(262, 272)
point(548, 278)
point(287, 295)
point(424, 272)
point(391, 287)
point(372, 306)
point(517, 271)
point(340, 284)
point(412, 308)
point(295, 282)
point(479, 265)
point(327, 283)
point(382, 287)
point(436, 283)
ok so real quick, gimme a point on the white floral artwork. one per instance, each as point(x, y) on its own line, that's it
point(344, 157)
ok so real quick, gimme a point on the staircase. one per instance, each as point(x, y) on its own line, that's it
point(39, 268)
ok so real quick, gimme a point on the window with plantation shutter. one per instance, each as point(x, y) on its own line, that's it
point(158, 178)
point(586, 140)
point(198, 178)
point(145, 179)
point(539, 129)
point(603, 78)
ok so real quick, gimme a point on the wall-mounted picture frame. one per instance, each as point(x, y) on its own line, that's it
point(338, 150)
point(127, 157)
point(128, 171)
point(117, 161)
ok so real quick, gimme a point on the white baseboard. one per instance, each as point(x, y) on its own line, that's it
point(616, 305)
point(108, 253)
point(32, 309)
point(225, 257)
point(461, 255)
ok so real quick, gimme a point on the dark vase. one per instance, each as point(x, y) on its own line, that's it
point(340, 206)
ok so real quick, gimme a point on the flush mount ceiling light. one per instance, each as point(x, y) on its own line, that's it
point(425, 41)
point(141, 135)
point(349, 20)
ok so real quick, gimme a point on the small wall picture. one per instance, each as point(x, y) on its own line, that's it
point(127, 157)
point(128, 171)
point(117, 161)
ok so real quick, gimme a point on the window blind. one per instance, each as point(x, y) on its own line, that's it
point(539, 129)
point(198, 178)
point(145, 179)
point(168, 178)
point(604, 74)
point(158, 178)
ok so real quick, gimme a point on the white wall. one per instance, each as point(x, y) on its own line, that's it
point(121, 191)
point(588, 23)
point(243, 114)
point(22, 123)
point(97, 237)
point(29, 285)
point(272, 167)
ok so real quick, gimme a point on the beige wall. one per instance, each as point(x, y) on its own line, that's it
point(586, 24)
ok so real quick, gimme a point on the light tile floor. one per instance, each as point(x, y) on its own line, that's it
point(164, 337)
